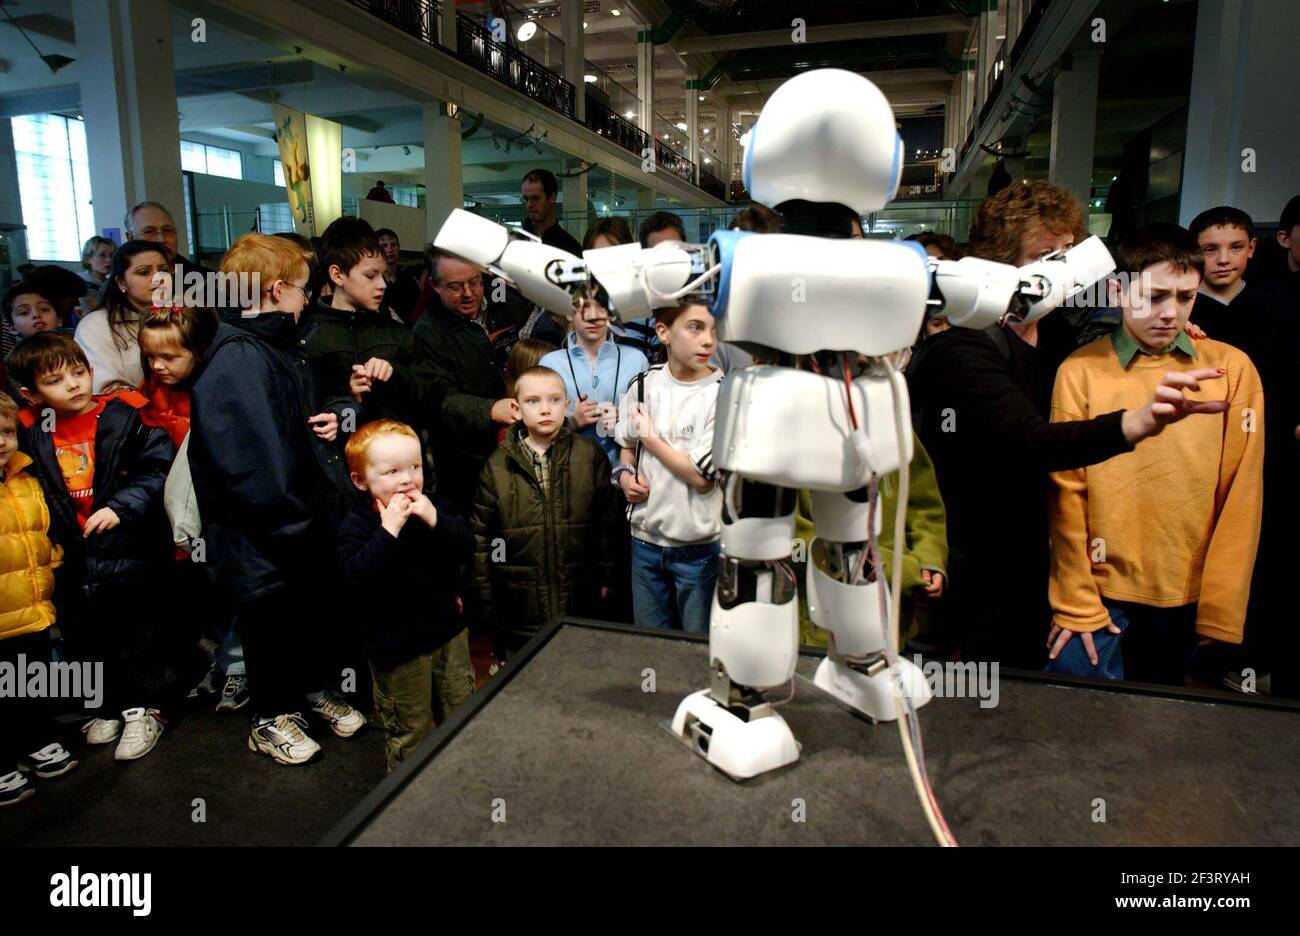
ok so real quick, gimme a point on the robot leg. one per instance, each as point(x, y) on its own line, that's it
point(855, 670)
point(753, 639)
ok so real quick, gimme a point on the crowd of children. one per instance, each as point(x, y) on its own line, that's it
point(359, 482)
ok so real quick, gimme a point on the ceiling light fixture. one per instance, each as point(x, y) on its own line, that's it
point(590, 79)
point(527, 29)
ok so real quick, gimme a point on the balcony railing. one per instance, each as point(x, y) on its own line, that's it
point(668, 158)
point(712, 184)
point(475, 47)
point(418, 18)
point(612, 126)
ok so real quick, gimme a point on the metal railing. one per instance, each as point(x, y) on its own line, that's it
point(712, 184)
point(614, 127)
point(475, 47)
point(668, 158)
point(418, 18)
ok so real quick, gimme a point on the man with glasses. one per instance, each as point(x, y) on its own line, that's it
point(538, 197)
point(150, 221)
point(461, 342)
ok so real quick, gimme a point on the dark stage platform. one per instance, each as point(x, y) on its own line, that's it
point(567, 748)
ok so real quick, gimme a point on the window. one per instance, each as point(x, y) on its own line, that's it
point(53, 184)
point(279, 172)
point(211, 160)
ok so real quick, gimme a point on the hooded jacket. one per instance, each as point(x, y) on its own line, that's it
point(131, 465)
point(27, 557)
point(259, 473)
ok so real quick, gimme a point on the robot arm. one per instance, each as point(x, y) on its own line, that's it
point(541, 272)
point(632, 281)
point(975, 293)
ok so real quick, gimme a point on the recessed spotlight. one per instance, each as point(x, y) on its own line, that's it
point(706, 131)
point(590, 79)
point(615, 12)
point(682, 126)
point(701, 97)
point(630, 114)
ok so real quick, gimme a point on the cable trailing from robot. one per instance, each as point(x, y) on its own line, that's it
point(909, 726)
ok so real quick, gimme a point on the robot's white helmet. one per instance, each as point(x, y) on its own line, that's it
point(825, 136)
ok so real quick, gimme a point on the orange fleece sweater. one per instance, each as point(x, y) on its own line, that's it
point(1176, 520)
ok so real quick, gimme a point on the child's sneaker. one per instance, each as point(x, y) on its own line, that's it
point(343, 719)
point(101, 730)
point(285, 738)
point(52, 761)
point(234, 695)
point(14, 788)
point(143, 729)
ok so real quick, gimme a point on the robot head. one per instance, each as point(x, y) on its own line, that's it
point(825, 136)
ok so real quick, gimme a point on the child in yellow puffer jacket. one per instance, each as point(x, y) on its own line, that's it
point(27, 563)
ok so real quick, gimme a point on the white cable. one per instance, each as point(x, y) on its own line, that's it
point(909, 727)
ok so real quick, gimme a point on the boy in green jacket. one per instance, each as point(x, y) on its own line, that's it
point(545, 518)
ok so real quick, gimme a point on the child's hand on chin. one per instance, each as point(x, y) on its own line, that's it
point(423, 508)
point(393, 517)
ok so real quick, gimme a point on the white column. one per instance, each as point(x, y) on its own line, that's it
point(443, 180)
point(726, 143)
point(645, 85)
point(693, 126)
point(11, 206)
point(1074, 125)
point(128, 100)
point(1015, 16)
point(986, 50)
point(447, 25)
point(575, 54)
point(574, 191)
point(1243, 141)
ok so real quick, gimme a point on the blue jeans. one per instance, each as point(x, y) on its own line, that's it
point(230, 655)
point(672, 586)
point(1158, 644)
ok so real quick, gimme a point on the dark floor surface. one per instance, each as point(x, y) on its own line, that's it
point(249, 799)
point(572, 751)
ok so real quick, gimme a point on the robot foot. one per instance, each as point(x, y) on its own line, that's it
point(870, 690)
point(739, 748)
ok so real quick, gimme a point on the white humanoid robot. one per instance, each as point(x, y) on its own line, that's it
point(824, 149)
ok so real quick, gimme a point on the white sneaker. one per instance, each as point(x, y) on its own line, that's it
point(343, 719)
point(14, 788)
point(143, 729)
point(285, 738)
point(101, 730)
point(51, 761)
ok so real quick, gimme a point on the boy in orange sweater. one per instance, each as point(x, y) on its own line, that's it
point(1153, 549)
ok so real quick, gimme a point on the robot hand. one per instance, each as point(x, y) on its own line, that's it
point(975, 293)
point(544, 274)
